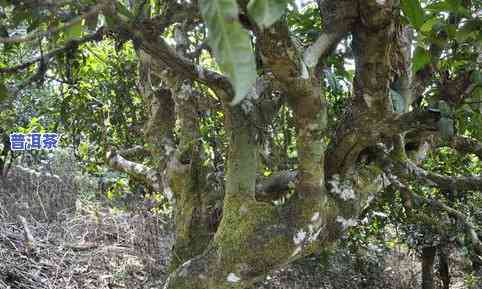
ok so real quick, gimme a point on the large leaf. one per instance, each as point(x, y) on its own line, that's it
point(230, 43)
point(414, 12)
point(429, 24)
point(266, 12)
point(420, 58)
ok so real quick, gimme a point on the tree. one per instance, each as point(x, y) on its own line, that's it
point(272, 59)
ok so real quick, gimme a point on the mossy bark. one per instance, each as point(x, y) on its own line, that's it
point(373, 35)
point(195, 205)
point(256, 237)
point(195, 209)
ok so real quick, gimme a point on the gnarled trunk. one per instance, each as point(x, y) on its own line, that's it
point(428, 258)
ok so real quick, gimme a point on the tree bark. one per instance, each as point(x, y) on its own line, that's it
point(444, 268)
point(196, 208)
point(428, 258)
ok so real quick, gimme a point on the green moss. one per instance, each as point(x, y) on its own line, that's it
point(247, 235)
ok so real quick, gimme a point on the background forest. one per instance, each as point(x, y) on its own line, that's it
point(242, 144)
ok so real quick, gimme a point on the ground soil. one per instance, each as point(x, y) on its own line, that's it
point(92, 246)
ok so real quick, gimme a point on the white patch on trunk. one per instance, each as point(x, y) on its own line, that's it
point(232, 278)
point(315, 217)
point(343, 190)
point(296, 251)
point(243, 210)
point(381, 2)
point(345, 224)
point(422, 152)
point(314, 236)
point(299, 237)
point(200, 72)
point(304, 71)
point(184, 271)
point(368, 100)
point(201, 276)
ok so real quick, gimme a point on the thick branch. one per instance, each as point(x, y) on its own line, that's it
point(410, 121)
point(353, 138)
point(338, 16)
point(472, 183)
point(280, 54)
point(466, 145)
point(320, 48)
point(407, 170)
point(372, 44)
point(157, 47)
point(135, 152)
point(338, 19)
point(139, 171)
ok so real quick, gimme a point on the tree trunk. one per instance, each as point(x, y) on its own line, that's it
point(256, 237)
point(428, 258)
point(196, 204)
point(444, 269)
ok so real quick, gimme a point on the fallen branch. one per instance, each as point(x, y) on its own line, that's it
point(28, 237)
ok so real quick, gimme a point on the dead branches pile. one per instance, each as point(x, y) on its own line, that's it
point(92, 248)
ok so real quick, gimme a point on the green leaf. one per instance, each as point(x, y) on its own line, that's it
point(266, 12)
point(437, 7)
point(429, 24)
point(73, 32)
point(456, 6)
point(414, 12)
point(123, 10)
point(420, 58)
point(110, 20)
point(231, 44)
point(84, 149)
